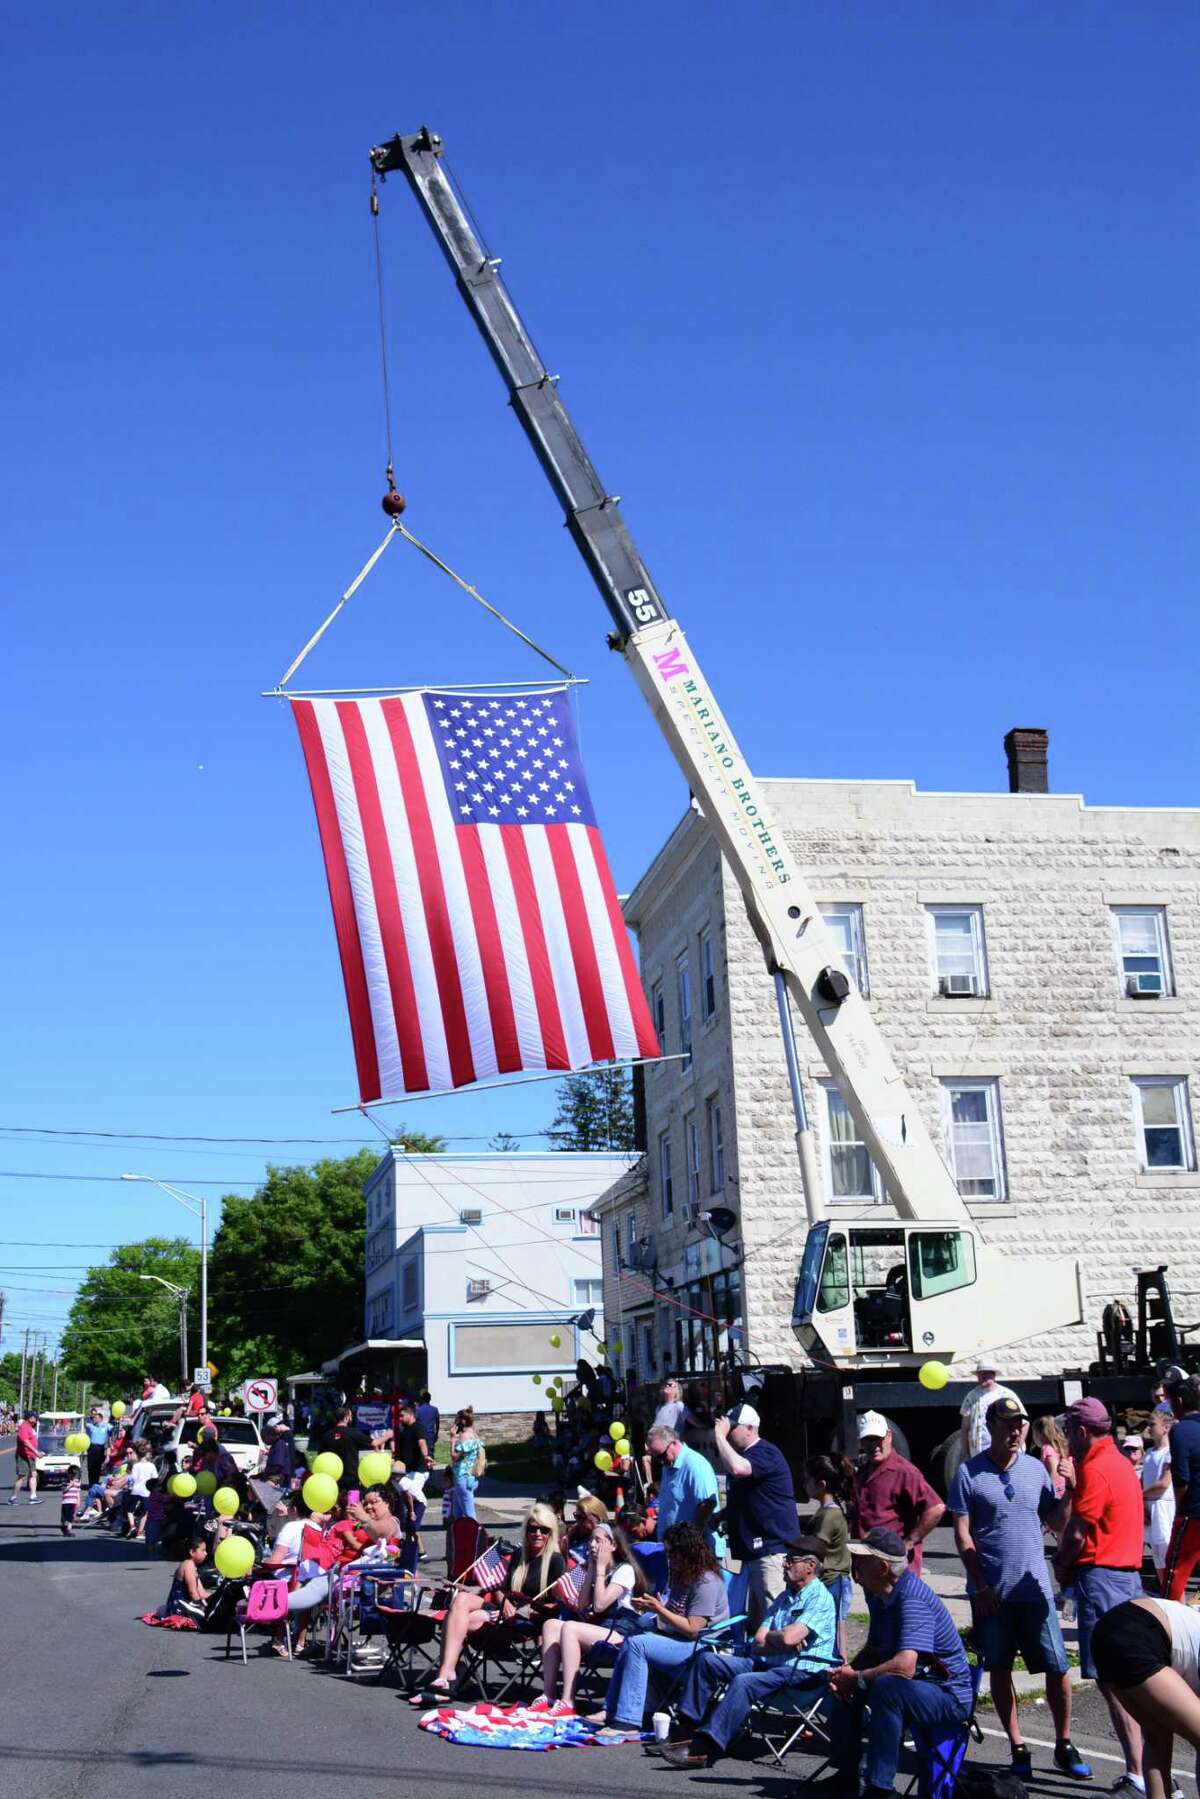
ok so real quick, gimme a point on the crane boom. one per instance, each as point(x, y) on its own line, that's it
point(783, 912)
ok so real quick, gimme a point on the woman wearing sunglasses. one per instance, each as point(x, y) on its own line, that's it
point(532, 1572)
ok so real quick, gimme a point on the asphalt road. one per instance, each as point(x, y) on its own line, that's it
point(91, 1699)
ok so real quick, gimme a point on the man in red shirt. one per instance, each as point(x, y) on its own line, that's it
point(27, 1455)
point(889, 1493)
point(1101, 1553)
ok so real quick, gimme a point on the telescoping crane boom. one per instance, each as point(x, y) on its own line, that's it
point(895, 1293)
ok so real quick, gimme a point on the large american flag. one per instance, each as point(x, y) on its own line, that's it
point(476, 917)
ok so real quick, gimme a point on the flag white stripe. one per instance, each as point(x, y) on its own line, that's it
point(616, 999)
point(379, 993)
point(558, 947)
point(430, 1022)
point(458, 899)
point(512, 939)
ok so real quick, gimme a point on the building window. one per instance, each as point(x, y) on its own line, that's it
point(408, 1286)
point(691, 1142)
point(666, 1187)
point(587, 1226)
point(648, 1363)
point(631, 1236)
point(845, 924)
point(849, 1170)
point(478, 1290)
point(1163, 1112)
point(658, 1011)
point(683, 991)
point(1143, 954)
point(974, 1140)
point(957, 952)
point(716, 1147)
point(587, 1293)
point(381, 1315)
point(708, 977)
point(616, 1245)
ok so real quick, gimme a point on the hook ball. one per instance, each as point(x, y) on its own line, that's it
point(393, 503)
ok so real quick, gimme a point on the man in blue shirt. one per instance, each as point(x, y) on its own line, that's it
point(793, 1647)
point(687, 1486)
point(912, 1671)
point(98, 1432)
point(429, 1420)
point(760, 1505)
point(1001, 1502)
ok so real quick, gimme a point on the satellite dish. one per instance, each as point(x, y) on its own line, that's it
point(721, 1219)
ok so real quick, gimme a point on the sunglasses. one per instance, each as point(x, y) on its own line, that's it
point(537, 1530)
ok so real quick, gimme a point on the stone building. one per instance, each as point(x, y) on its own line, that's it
point(1034, 965)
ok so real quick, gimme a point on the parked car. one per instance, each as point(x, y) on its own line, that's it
point(53, 1429)
point(240, 1436)
point(151, 1419)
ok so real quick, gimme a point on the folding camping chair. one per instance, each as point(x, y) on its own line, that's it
point(264, 1606)
point(941, 1751)
point(409, 1632)
point(793, 1712)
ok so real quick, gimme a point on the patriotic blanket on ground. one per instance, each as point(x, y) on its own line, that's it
point(516, 1727)
point(476, 917)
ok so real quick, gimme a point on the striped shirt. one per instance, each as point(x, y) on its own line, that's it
point(70, 1492)
point(914, 1618)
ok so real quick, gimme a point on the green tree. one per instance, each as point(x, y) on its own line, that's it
point(121, 1327)
point(595, 1111)
point(504, 1143)
point(286, 1271)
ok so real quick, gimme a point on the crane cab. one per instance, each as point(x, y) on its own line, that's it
point(892, 1293)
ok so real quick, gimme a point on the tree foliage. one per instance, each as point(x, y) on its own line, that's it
point(120, 1327)
point(595, 1111)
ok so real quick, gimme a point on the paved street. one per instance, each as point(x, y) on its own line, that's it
point(92, 1698)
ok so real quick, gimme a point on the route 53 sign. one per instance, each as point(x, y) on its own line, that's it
point(260, 1395)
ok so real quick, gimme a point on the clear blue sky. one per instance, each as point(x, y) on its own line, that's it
point(881, 318)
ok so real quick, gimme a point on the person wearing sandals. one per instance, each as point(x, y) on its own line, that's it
point(532, 1572)
point(611, 1580)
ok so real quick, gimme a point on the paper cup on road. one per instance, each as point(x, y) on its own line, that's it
point(662, 1726)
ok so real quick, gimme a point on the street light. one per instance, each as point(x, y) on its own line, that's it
point(181, 1294)
point(199, 1209)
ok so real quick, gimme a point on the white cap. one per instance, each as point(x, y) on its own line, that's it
point(872, 1424)
point(744, 1414)
point(985, 1364)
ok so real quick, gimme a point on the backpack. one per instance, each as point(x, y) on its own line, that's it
point(481, 1461)
point(977, 1781)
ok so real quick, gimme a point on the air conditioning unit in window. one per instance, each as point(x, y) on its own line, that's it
point(957, 986)
point(1143, 986)
point(470, 1215)
point(478, 1289)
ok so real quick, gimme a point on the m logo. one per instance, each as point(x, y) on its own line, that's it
point(670, 664)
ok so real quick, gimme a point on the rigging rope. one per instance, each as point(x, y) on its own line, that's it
point(383, 349)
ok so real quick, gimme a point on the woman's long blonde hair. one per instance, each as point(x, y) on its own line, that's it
point(1046, 1430)
point(537, 1514)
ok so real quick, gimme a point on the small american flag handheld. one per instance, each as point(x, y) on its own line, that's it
point(568, 1587)
point(489, 1570)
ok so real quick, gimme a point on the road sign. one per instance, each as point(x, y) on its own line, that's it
point(202, 1378)
point(260, 1395)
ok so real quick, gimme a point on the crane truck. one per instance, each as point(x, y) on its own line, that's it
point(873, 1301)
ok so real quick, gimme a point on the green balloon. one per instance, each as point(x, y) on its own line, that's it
point(183, 1485)
point(328, 1463)
point(206, 1482)
point(320, 1492)
point(616, 1431)
point(536, 1379)
point(374, 1468)
point(76, 1443)
point(226, 1501)
point(234, 1557)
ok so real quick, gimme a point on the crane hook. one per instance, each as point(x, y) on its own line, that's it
point(393, 503)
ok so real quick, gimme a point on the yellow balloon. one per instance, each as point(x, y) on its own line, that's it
point(206, 1482)
point(602, 1460)
point(616, 1431)
point(76, 1443)
point(117, 1408)
point(226, 1501)
point(225, 1412)
point(555, 1340)
point(933, 1375)
point(536, 1379)
point(328, 1463)
point(374, 1468)
point(602, 1349)
point(183, 1485)
point(556, 1404)
point(234, 1557)
point(320, 1492)
point(624, 1448)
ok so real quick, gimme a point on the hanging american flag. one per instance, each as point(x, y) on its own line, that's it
point(476, 917)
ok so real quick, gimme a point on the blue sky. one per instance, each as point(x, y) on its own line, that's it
point(879, 317)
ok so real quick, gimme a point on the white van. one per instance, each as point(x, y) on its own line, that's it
point(240, 1436)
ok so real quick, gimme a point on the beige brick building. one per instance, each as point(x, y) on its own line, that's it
point(1001, 940)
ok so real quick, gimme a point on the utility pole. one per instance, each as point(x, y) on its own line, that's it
point(54, 1401)
point(24, 1359)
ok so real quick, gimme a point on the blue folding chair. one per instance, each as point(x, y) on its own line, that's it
point(941, 1751)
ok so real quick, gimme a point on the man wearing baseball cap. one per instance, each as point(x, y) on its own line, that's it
point(760, 1508)
point(912, 1671)
point(1101, 1553)
point(1001, 1502)
point(973, 1430)
point(890, 1493)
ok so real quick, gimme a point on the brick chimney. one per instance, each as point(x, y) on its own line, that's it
point(1027, 751)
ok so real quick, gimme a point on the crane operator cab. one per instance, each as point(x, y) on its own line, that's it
point(893, 1292)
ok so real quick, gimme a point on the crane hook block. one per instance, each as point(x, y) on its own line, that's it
point(393, 503)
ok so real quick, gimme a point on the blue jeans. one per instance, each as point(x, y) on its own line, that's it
point(746, 1681)
point(462, 1499)
point(895, 1703)
point(649, 1650)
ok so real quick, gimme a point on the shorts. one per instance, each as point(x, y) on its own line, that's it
point(840, 1589)
point(1028, 1627)
point(1129, 1644)
point(1097, 1592)
point(25, 1465)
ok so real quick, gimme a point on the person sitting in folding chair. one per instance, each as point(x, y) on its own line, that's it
point(793, 1648)
point(912, 1673)
point(598, 1598)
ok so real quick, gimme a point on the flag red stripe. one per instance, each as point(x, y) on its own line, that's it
point(345, 923)
point(491, 951)
point(554, 1041)
point(433, 895)
point(639, 1011)
point(387, 900)
point(583, 948)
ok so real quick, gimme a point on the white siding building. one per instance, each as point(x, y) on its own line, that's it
point(1034, 965)
point(484, 1258)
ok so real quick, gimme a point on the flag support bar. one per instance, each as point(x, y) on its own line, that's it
point(550, 1074)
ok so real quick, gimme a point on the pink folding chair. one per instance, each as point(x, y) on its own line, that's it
point(265, 1605)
